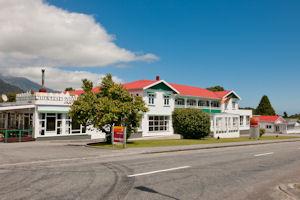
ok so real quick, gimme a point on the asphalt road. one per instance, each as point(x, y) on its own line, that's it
point(40, 171)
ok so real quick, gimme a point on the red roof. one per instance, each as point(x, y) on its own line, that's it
point(221, 94)
point(140, 84)
point(186, 90)
point(79, 92)
point(265, 118)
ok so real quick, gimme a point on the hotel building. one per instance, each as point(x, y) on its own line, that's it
point(46, 114)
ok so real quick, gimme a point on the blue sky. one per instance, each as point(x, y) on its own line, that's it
point(252, 47)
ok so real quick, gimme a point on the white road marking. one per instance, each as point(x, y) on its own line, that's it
point(158, 171)
point(264, 154)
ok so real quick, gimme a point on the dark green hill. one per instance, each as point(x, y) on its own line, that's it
point(7, 88)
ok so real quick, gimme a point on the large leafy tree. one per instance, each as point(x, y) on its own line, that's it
point(216, 88)
point(265, 107)
point(113, 105)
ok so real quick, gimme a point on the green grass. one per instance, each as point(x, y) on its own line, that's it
point(179, 142)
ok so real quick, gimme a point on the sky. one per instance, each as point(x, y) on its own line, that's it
point(252, 47)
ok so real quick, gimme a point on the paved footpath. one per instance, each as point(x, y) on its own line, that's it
point(64, 170)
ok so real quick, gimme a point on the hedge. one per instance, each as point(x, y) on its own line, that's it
point(191, 123)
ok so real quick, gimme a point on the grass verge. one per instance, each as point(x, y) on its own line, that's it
point(180, 142)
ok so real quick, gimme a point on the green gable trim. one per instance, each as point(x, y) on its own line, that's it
point(232, 95)
point(161, 86)
point(211, 111)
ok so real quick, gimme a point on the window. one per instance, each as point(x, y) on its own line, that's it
point(166, 100)
point(159, 123)
point(151, 99)
point(218, 122)
point(191, 102)
point(233, 105)
point(179, 102)
point(75, 127)
point(215, 104)
point(50, 122)
point(235, 121)
point(268, 126)
point(247, 120)
point(203, 103)
point(2, 120)
point(241, 120)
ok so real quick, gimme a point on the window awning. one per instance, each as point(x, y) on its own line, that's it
point(53, 109)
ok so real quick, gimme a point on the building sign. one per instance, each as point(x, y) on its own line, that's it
point(119, 135)
point(46, 98)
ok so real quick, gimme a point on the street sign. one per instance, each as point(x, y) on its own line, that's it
point(119, 135)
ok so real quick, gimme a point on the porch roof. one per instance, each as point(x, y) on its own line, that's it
point(16, 107)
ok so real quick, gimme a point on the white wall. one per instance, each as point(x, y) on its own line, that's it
point(245, 125)
point(264, 125)
point(158, 109)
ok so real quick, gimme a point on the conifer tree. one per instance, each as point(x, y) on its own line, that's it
point(265, 107)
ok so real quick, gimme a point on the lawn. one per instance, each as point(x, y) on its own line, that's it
point(179, 142)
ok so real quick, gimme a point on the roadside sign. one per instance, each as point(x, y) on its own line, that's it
point(119, 135)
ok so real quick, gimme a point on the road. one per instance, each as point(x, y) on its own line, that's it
point(39, 171)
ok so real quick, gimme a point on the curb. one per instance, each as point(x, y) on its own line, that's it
point(197, 147)
point(217, 147)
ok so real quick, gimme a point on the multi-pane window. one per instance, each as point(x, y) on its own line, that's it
point(166, 100)
point(203, 103)
point(179, 102)
point(191, 102)
point(248, 120)
point(151, 99)
point(215, 104)
point(268, 126)
point(158, 123)
point(241, 120)
point(72, 127)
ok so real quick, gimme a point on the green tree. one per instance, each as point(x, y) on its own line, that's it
point(265, 107)
point(69, 89)
point(191, 123)
point(285, 115)
point(113, 105)
point(11, 96)
point(216, 88)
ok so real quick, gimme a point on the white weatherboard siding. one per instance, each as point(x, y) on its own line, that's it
point(158, 109)
point(51, 110)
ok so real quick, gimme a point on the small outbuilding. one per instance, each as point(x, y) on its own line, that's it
point(273, 124)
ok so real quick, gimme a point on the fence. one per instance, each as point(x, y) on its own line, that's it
point(15, 135)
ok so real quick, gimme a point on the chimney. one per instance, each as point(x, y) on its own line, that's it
point(157, 78)
point(43, 89)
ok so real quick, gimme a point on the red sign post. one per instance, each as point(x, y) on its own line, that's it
point(119, 135)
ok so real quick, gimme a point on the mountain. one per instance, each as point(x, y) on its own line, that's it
point(7, 88)
point(22, 83)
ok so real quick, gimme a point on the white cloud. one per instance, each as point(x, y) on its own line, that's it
point(56, 78)
point(34, 33)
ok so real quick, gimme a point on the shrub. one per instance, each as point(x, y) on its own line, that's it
point(191, 123)
point(261, 132)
